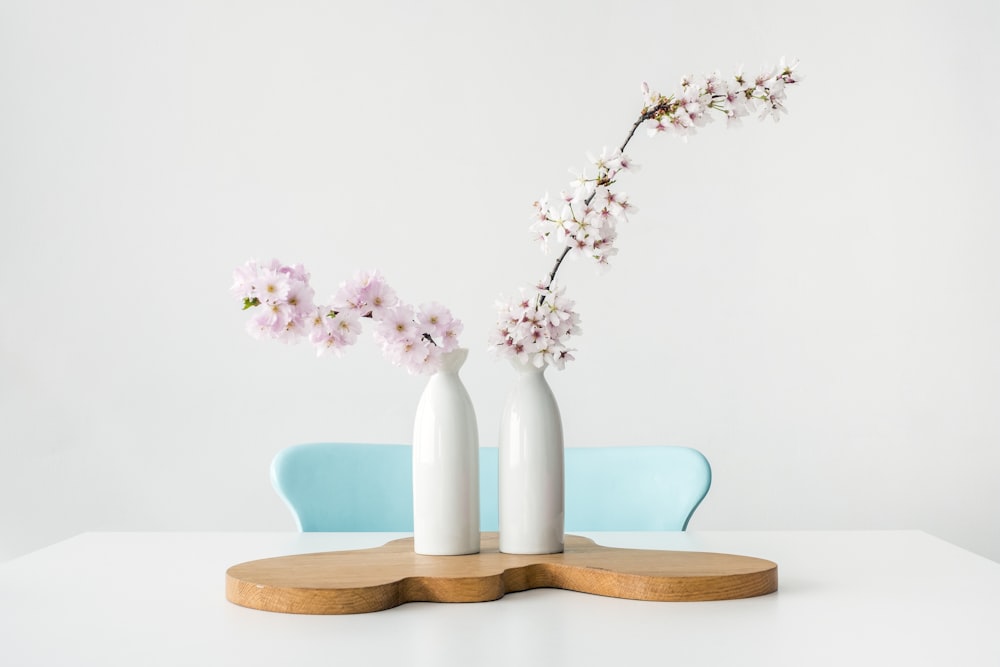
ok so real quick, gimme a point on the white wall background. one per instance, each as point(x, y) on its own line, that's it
point(812, 304)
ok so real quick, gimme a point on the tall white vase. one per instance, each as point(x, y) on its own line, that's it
point(446, 465)
point(531, 467)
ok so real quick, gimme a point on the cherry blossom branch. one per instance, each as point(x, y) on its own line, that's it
point(587, 219)
point(288, 313)
point(643, 117)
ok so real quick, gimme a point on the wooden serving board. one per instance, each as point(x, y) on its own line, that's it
point(354, 582)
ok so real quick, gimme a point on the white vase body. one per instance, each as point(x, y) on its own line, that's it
point(531, 467)
point(446, 465)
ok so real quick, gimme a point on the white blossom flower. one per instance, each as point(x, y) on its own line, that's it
point(656, 125)
point(625, 163)
point(787, 72)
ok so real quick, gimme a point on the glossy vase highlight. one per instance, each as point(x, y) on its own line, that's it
point(446, 465)
point(531, 467)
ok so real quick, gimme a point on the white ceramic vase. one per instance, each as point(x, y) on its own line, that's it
point(446, 465)
point(531, 467)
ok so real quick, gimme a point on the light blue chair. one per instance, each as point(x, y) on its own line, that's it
point(337, 487)
point(356, 488)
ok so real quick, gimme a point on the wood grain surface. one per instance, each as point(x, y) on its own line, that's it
point(360, 581)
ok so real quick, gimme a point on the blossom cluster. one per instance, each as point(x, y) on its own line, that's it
point(535, 327)
point(414, 338)
point(584, 220)
point(735, 97)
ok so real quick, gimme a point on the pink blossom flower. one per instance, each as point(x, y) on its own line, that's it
point(414, 355)
point(347, 325)
point(449, 338)
point(367, 292)
point(379, 296)
point(244, 279)
point(271, 287)
point(396, 324)
point(434, 320)
point(300, 299)
point(296, 273)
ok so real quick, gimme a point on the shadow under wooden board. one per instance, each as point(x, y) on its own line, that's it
point(366, 580)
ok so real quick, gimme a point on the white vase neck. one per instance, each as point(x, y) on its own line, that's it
point(452, 361)
point(528, 368)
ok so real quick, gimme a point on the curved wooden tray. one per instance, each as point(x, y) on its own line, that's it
point(353, 582)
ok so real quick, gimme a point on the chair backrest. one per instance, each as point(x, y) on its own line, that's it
point(352, 487)
point(655, 487)
point(340, 487)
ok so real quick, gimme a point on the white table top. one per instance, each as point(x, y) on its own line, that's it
point(844, 598)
